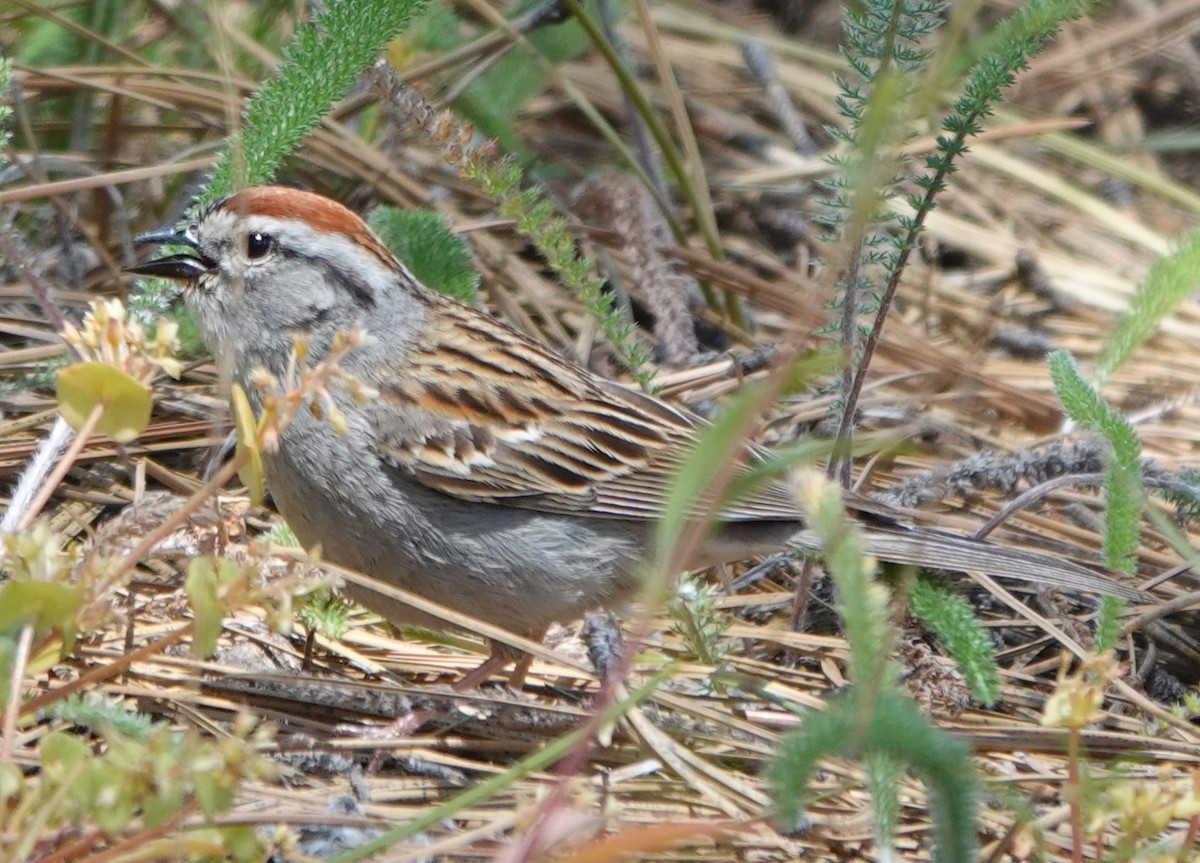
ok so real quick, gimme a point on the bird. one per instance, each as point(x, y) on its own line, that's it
point(487, 473)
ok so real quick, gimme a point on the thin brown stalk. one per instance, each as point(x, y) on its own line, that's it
point(50, 484)
point(15, 689)
point(1074, 792)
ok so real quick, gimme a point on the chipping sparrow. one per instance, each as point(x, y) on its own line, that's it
point(490, 475)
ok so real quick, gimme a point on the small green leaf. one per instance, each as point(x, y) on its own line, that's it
point(204, 595)
point(1123, 492)
point(1108, 623)
point(281, 534)
point(107, 794)
point(210, 584)
point(61, 754)
point(8, 649)
point(246, 429)
point(241, 843)
point(96, 713)
point(1171, 280)
point(952, 619)
point(191, 342)
point(852, 726)
point(47, 604)
point(12, 782)
point(125, 401)
point(214, 792)
point(327, 612)
point(166, 800)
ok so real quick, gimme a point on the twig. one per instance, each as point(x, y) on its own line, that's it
point(64, 464)
point(762, 67)
point(11, 250)
point(13, 708)
point(1033, 495)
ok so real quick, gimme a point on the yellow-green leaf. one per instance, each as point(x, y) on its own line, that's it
point(47, 604)
point(12, 782)
point(124, 401)
point(214, 791)
point(203, 593)
point(61, 753)
point(211, 584)
point(246, 429)
point(108, 795)
point(241, 843)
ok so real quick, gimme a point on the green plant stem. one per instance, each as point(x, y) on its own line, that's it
point(846, 423)
point(585, 107)
point(1074, 792)
point(662, 135)
point(694, 165)
point(700, 203)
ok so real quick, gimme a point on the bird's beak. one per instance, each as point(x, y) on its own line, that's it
point(183, 267)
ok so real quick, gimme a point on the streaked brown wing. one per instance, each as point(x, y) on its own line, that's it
point(481, 413)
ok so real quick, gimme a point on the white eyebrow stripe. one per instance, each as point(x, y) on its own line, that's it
point(340, 251)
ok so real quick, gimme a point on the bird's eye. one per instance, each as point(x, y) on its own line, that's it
point(257, 244)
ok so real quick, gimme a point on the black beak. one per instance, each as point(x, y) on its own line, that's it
point(184, 268)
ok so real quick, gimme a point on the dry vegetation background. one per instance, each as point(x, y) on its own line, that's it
point(1059, 210)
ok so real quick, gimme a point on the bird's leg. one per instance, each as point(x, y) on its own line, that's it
point(517, 679)
point(500, 656)
point(495, 661)
point(602, 636)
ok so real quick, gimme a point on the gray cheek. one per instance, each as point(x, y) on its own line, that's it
point(290, 296)
point(212, 310)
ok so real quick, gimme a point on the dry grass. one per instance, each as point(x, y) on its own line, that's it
point(1039, 242)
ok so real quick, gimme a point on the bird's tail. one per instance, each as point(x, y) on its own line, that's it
point(918, 546)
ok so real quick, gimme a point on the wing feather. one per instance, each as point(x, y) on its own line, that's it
point(562, 440)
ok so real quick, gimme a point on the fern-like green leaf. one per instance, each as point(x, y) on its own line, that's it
point(898, 729)
point(952, 620)
point(422, 239)
point(93, 712)
point(319, 65)
point(1123, 478)
point(1171, 280)
point(1108, 623)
